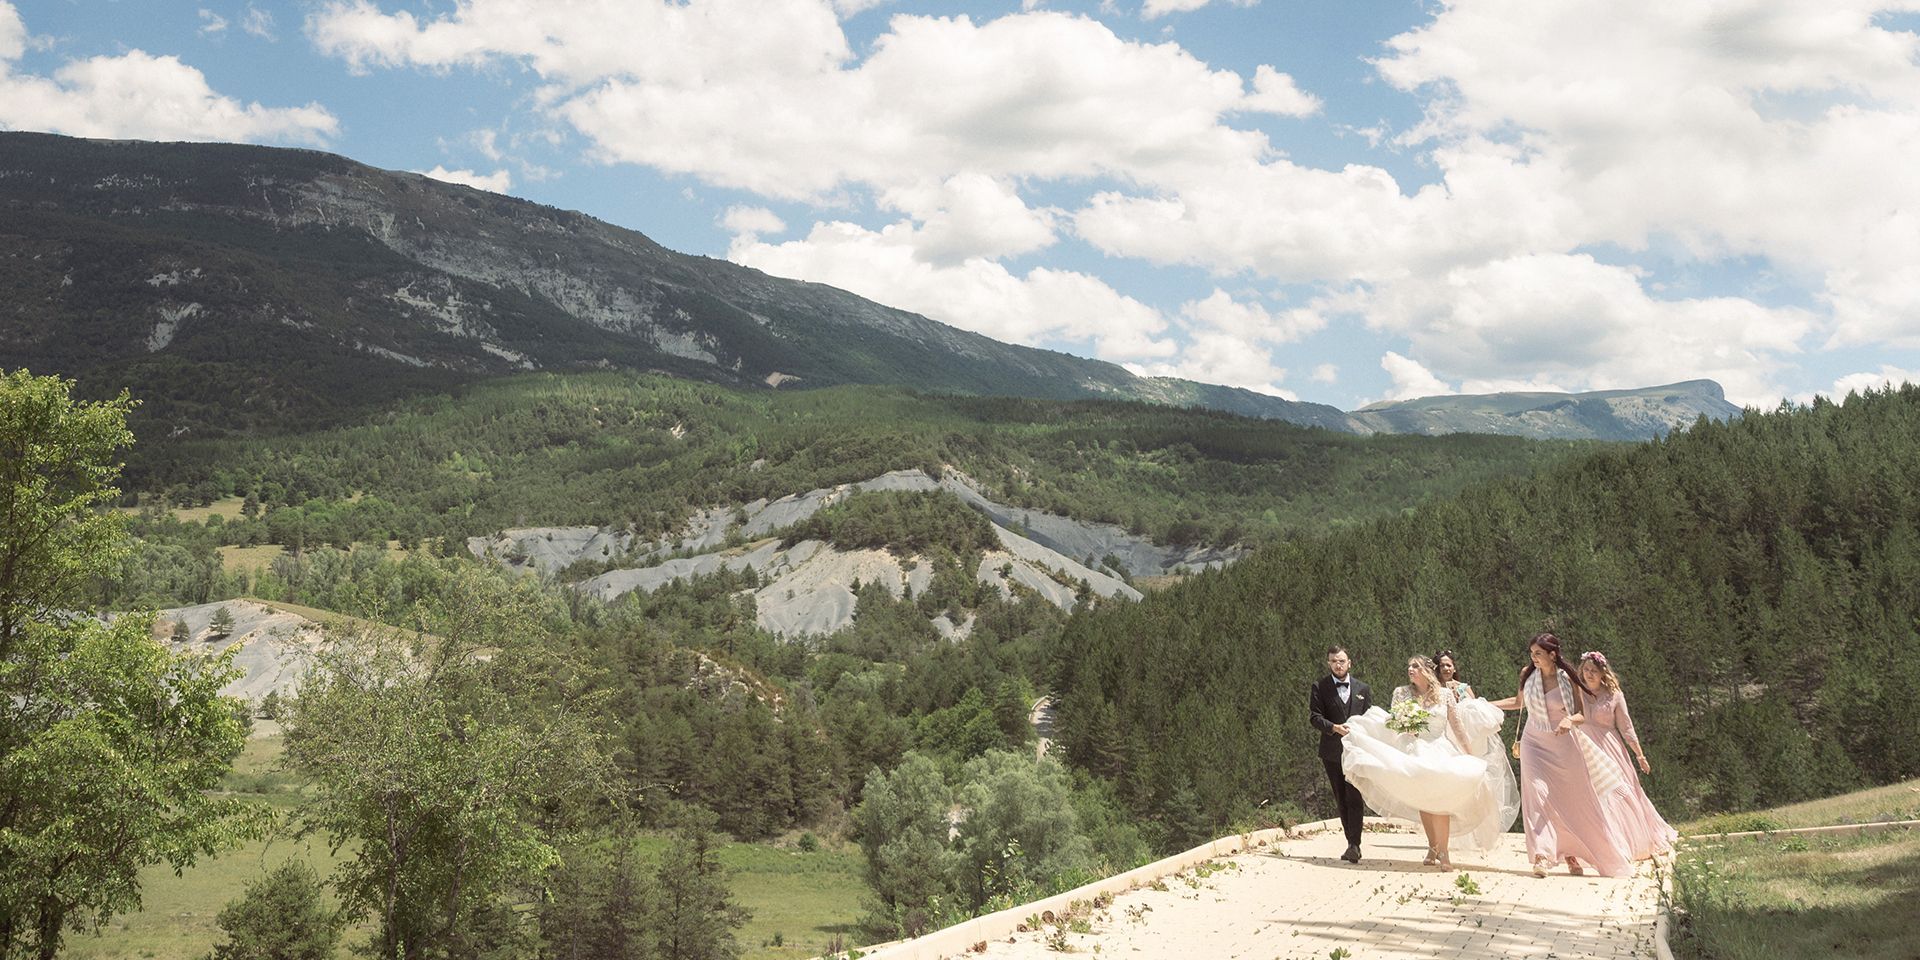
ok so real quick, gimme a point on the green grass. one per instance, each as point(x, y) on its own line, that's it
point(1781, 898)
point(259, 556)
point(1895, 801)
point(176, 919)
point(807, 898)
point(226, 509)
point(1802, 896)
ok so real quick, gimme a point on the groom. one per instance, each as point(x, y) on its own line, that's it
point(1332, 699)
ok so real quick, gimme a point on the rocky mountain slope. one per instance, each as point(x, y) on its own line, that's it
point(240, 286)
point(1601, 415)
point(243, 287)
point(807, 586)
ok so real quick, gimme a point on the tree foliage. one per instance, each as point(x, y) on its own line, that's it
point(1752, 582)
point(448, 758)
point(109, 745)
point(282, 916)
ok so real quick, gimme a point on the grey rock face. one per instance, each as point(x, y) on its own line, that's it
point(808, 586)
point(276, 647)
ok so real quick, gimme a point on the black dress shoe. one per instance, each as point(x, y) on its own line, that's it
point(1352, 855)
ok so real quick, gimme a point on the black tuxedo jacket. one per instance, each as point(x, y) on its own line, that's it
point(1326, 709)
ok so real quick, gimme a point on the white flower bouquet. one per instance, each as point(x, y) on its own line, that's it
point(1408, 716)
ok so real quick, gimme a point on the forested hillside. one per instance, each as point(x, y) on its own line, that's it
point(645, 452)
point(1756, 584)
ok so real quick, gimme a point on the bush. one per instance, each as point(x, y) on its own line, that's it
point(281, 917)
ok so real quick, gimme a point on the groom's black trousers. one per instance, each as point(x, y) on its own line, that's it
point(1347, 796)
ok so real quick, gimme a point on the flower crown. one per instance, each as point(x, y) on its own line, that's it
point(1597, 657)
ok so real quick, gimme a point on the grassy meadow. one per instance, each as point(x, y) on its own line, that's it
point(1794, 896)
point(803, 898)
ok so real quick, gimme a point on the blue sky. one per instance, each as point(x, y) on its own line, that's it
point(1332, 200)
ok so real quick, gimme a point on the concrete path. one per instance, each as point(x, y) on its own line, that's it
point(1041, 718)
point(1296, 899)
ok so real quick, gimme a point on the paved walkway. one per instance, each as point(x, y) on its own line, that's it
point(1296, 899)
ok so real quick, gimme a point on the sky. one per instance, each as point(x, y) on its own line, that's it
point(1342, 201)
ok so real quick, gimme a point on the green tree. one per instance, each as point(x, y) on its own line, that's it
point(1019, 828)
point(222, 623)
point(690, 912)
point(902, 827)
point(451, 757)
point(597, 904)
point(283, 916)
point(109, 745)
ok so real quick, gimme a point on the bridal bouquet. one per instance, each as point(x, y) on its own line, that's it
point(1408, 716)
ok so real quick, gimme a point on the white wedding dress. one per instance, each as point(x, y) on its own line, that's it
point(1457, 766)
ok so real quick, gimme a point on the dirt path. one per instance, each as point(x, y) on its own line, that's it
point(1296, 899)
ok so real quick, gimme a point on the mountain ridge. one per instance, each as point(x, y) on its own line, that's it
point(242, 287)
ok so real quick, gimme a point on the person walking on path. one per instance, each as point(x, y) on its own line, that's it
point(1562, 774)
point(1424, 761)
point(1330, 702)
point(1611, 728)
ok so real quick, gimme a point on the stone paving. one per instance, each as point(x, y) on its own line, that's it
point(1296, 899)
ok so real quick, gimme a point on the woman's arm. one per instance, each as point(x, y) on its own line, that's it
point(1623, 725)
point(1576, 704)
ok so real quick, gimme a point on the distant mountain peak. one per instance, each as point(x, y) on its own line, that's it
point(1630, 414)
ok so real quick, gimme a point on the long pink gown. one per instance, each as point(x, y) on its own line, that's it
point(1610, 727)
point(1560, 807)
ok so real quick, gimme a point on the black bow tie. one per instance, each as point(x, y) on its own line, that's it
point(1340, 683)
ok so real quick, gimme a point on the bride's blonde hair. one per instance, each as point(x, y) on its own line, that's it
point(1425, 666)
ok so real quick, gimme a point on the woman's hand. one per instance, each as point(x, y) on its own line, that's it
point(1645, 767)
point(1566, 724)
point(1509, 703)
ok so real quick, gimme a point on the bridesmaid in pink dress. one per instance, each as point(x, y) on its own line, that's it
point(1559, 770)
point(1610, 727)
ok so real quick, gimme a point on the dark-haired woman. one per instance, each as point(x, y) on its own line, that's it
point(1446, 666)
point(1562, 774)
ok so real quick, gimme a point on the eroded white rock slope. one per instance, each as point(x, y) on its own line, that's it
point(807, 587)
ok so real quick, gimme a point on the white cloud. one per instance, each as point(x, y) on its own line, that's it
point(211, 23)
point(1538, 321)
point(1275, 92)
point(768, 97)
point(258, 22)
point(751, 221)
point(1410, 379)
point(1326, 373)
point(1220, 312)
point(139, 96)
point(499, 181)
point(1213, 356)
point(977, 294)
point(1887, 376)
point(13, 35)
point(848, 8)
point(1160, 8)
point(1776, 129)
point(971, 215)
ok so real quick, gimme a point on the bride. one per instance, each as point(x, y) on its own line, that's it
point(1447, 767)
